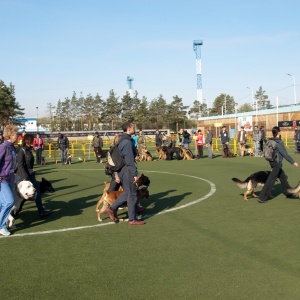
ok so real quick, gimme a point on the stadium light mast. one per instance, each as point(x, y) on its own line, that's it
point(129, 82)
point(197, 48)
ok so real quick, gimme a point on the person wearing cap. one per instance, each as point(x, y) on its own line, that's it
point(97, 143)
point(276, 167)
point(242, 137)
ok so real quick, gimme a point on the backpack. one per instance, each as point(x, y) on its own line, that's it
point(269, 150)
point(115, 159)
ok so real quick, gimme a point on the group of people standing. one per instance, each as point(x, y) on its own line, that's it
point(16, 166)
point(258, 136)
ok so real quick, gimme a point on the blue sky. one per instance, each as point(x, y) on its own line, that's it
point(51, 48)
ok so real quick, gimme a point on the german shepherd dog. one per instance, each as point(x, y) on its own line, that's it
point(295, 190)
point(146, 155)
point(246, 148)
point(187, 153)
point(251, 182)
point(161, 154)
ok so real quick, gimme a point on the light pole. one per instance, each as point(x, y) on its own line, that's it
point(225, 107)
point(37, 116)
point(294, 84)
point(252, 95)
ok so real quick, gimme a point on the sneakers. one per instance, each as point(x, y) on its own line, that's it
point(45, 214)
point(136, 222)
point(4, 231)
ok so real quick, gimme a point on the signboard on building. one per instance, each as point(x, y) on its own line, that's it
point(247, 122)
point(289, 123)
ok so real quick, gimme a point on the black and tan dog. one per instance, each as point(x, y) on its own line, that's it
point(295, 190)
point(146, 155)
point(187, 153)
point(161, 153)
point(246, 149)
point(251, 182)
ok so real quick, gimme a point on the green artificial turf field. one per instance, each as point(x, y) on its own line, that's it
point(201, 239)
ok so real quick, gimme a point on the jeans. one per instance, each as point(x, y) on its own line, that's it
point(209, 150)
point(6, 202)
point(63, 155)
point(257, 148)
point(38, 153)
point(129, 194)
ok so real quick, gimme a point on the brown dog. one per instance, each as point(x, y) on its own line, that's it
point(142, 180)
point(227, 152)
point(246, 148)
point(146, 155)
point(187, 153)
point(110, 198)
point(161, 154)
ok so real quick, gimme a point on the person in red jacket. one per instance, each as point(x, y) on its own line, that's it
point(38, 146)
point(200, 141)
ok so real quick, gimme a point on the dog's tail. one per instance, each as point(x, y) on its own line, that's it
point(240, 184)
point(294, 190)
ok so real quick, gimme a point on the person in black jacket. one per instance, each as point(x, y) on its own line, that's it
point(63, 146)
point(24, 171)
point(97, 143)
point(276, 166)
point(127, 176)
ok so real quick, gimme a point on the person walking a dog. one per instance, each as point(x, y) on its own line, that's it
point(38, 145)
point(242, 138)
point(199, 143)
point(97, 143)
point(276, 167)
point(24, 171)
point(127, 176)
point(7, 176)
point(63, 146)
point(256, 139)
point(208, 143)
point(224, 137)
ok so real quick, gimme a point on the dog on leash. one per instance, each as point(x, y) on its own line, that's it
point(141, 181)
point(251, 182)
point(187, 153)
point(111, 197)
point(146, 155)
point(295, 190)
point(69, 159)
point(246, 148)
point(22, 192)
point(44, 186)
point(43, 161)
point(161, 153)
point(227, 152)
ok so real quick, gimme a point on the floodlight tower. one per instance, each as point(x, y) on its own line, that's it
point(129, 82)
point(197, 44)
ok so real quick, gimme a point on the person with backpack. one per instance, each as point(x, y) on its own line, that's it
point(127, 175)
point(280, 152)
point(7, 176)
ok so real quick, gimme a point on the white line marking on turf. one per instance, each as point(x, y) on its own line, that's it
point(211, 192)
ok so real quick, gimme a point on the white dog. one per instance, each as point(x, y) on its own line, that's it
point(24, 191)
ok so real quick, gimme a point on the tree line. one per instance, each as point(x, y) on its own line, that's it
point(78, 113)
